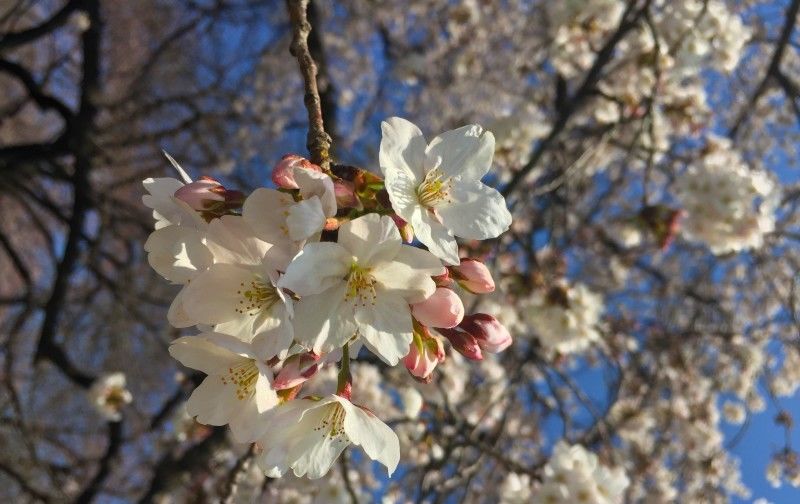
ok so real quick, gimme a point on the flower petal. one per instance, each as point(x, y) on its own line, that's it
point(324, 321)
point(466, 151)
point(213, 402)
point(176, 315)
point(246, 423)
point(435, 236)
point(315, 451)
point(265, 210)
point(477, 212)
point(202, 354)
point(376, 438)
point(371, 238)
point(402, 190)
point(313, 183)
point(409, 274)
point(305, 218)
point(402, 148)
point(386, 327)
point(216, 295)
point(316, 268)
point(177, 253)
point(233, 241)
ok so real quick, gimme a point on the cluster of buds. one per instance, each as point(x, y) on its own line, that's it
point(469, 335)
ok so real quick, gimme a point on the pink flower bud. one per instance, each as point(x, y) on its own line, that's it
point(346, 195)
point(474, 276)
point(442, 309)
point(406, 231)
point(424, 354)
point(283, 173)
point(296, 370)
point(491, 335)
point(201, 193)
point(464, 343)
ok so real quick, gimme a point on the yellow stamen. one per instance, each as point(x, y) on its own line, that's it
point(360, 285)
point(333, 424)
point(257, 297)
point(434, 189)
point(244, 375)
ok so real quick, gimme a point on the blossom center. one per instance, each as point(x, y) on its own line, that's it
point(360, 285)
point(434, 189)
point(332, 424)
point(244, 375)
point(256, 297)
point(116, 397)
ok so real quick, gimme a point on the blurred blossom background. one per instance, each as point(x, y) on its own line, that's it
point(648, 151)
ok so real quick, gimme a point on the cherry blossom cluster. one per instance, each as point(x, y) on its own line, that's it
point(564, 318)
point(730, 207)
point(286, 282)
point(574, 474)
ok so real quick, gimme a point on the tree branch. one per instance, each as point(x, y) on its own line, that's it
point(572, 104)
point(773, 70)
point(15, 39)
point(318, 141)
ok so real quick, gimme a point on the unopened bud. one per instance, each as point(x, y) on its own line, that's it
point(202, 193)
point(346, 195)
point(442, 309)
point(491, 335)
point(284, 172)
point(464, 343)
point(473, 276)
point(296, 370)
point(406, 231)
point(424, 354)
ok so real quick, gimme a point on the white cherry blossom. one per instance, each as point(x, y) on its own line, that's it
point(308, 435)
point(437, 186)
point(238, 293)
point(360, 286)
point(238, 388)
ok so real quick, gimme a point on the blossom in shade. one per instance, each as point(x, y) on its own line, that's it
point(238, 388)
point(308, 435)
point(237, 294)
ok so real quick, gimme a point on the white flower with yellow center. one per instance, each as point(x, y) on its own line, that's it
point(360, 286)
point(237, 294)
point(238, 388)
point(437, 187)
point(308, 435)
point(109, 394)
